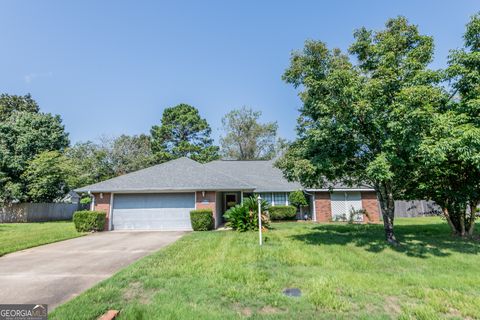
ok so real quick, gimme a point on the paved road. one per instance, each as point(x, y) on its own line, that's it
point(57, 272)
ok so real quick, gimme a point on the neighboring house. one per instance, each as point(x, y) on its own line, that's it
point(161, 197)
point(70, 197)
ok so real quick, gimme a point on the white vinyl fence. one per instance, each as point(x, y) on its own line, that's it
point(38, 212)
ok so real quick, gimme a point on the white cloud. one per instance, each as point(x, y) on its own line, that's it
point(32, 76)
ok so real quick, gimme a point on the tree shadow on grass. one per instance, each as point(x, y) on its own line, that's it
point(421, 241)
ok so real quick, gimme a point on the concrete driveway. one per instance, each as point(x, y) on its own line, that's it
point(57, 272)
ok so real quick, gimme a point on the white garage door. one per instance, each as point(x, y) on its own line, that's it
point(152, 211)
point(343, 203)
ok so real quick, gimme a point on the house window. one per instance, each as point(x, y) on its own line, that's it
point(280, 198)
point(267, 197)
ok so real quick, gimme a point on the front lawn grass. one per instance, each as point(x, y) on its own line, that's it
point(344, 272)
point(19, 236)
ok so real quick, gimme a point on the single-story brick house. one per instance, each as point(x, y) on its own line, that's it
point(161, 197)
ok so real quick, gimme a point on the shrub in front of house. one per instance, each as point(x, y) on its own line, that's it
point(244, 217)
point(297, 199)
point(86, 200)
point(202, 219)
point(283, 213)
point(87, 221)
point(357, 215)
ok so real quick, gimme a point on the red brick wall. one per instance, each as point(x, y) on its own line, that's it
point(103, 204)
point(370, 203)
point(323, 207)
point(207, 201)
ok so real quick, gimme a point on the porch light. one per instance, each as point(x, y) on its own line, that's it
point(203, 194)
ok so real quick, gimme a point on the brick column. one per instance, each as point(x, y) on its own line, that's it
point(370, 203)
point(103, 204)
point(207, 202)
point(323, 206)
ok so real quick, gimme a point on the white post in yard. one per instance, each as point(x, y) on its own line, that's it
point(259, 200)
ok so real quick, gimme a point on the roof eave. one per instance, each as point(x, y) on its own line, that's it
point(340, 189)
point(149, 190)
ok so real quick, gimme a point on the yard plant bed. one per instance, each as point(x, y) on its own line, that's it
point(343, 271)
point(19, 236)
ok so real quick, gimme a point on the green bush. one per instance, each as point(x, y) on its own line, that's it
point(86, 200)
point(202, 219)
point(297, 199)
point(86, 221)
point(245, 217)
point(283, 213)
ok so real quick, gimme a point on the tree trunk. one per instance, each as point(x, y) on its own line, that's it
point(387, 204)
point(462, 223)
point(471, 227)
point(450, 223)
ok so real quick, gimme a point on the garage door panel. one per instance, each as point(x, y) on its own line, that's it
point(154, 201)
point(168, 211)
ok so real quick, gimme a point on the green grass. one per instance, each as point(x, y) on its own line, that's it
point(19, 236)
point(344, 272)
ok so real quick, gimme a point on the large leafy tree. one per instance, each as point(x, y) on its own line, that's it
point(183, 133)
point(362, 121)
point(91, 162)
point(10, 104)
point(130, 153)
point(450, 154)
point(49, 176)
point(25, 133)
point(110, 157)
point(246, 138)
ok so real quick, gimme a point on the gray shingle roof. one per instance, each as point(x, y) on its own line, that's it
point(262, 174)
point(179, 174)
point(184, 174)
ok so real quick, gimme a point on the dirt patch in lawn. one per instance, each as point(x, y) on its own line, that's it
point(270, 310)
point(136, 291)
point(244, 311)
point(248, 312)
point(392, 305)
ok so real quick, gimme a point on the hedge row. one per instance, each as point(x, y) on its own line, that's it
point(282, 212)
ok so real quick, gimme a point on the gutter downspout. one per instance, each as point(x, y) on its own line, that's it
point(92, 204)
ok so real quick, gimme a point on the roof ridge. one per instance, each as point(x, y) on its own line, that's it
point(247, 160)
point(221, 172)
point(136, 172)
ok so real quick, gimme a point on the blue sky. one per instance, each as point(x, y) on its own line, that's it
point(111, 67)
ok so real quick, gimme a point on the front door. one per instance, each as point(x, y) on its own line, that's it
point(230, 200)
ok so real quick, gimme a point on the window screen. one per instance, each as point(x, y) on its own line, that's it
point(267, 197)
point(280, 199)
